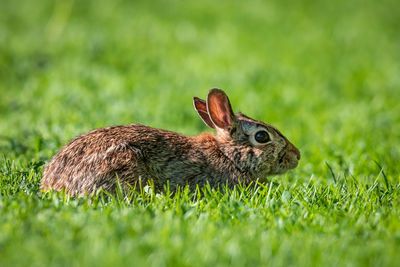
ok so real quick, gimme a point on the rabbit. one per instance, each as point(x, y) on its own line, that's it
point(242, 151)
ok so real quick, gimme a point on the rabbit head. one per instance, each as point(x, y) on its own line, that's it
point(256, 148)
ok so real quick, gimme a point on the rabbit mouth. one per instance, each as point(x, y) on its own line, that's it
point(287, 162)
point(281, 166)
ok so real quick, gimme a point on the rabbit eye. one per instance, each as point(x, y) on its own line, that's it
point(262, 137)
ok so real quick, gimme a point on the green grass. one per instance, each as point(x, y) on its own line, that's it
point(326, 73)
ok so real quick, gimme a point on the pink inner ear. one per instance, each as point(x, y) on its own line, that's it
point(219, 108)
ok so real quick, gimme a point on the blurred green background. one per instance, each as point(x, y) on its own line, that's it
point(326, 73)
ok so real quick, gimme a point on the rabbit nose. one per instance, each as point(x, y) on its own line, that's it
point(295, 151)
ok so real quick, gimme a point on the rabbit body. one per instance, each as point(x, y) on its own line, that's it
point(134, 154)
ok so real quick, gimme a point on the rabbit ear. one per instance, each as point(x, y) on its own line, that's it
point(219, 108)
point(201, 107)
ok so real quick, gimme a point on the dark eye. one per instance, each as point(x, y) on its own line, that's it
point(261, 137)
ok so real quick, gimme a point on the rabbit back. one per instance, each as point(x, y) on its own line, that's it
point(133, 154)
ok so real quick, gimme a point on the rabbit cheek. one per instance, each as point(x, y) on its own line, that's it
point(263, 166)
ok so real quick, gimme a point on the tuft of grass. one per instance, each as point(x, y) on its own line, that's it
point(325, 73)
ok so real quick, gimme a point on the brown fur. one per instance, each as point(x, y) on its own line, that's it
point(136, 154)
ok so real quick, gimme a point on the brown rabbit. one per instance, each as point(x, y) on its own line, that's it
point(242, 151)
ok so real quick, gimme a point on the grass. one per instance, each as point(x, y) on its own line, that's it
point(325, 73)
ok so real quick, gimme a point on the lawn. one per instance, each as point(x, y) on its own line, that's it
point(326, 73)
